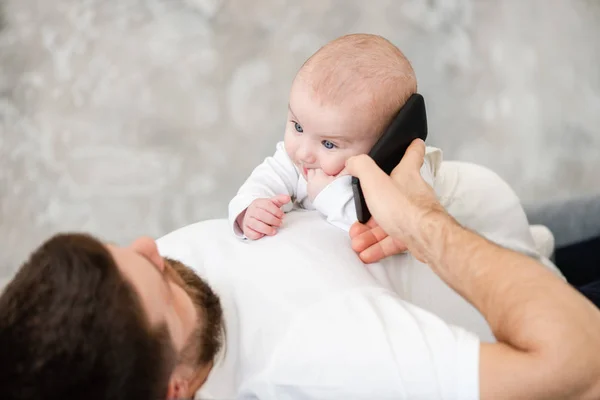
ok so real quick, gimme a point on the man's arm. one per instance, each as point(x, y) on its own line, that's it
point(548, 335)
point(545, 329)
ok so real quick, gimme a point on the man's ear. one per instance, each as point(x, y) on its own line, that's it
point(178, 388)
point(199, 377)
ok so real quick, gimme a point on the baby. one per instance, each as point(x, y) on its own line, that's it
point(341, 101)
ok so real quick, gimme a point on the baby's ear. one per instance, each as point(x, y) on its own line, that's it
point(178, 388)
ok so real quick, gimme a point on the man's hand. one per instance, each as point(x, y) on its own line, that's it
point(317, 180)
point(399, 202)
point(372, 243)
point(263, 217)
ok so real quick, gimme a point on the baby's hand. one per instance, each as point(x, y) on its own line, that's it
point(317, 180)
point(263, 217)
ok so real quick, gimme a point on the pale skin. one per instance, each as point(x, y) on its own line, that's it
point(548, 335)
point(319, 138)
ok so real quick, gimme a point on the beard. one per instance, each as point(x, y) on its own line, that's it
point(208, 337)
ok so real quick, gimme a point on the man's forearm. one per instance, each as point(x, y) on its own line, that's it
point(526, 306)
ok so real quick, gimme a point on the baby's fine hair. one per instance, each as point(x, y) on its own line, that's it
point(361, 64)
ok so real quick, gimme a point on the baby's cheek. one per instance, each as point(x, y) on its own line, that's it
point(334, 165)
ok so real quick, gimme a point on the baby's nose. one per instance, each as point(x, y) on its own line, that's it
point(306, 155)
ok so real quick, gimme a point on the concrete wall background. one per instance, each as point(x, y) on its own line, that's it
point(129, 117)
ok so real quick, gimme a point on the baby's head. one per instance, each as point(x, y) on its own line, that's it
point(343, 98)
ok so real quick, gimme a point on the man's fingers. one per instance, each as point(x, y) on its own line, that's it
point(379, 233)
point(360, 166)
point(373, 181)
point(372, 254)
point(380, 250)
point(357, 228)
point(367, 237)
point(372, 243)
point(363, 241)
point(371, 223)
point(413, 158)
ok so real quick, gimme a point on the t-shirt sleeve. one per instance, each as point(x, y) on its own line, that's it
point(375, 346)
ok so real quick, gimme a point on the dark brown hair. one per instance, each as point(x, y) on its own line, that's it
point(71, 327)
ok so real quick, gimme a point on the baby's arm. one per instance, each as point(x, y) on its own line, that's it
point(258, 202)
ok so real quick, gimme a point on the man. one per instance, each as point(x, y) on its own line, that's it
point(350, 323)
point(85, 320)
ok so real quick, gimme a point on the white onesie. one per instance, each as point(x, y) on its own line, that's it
point(279, 175)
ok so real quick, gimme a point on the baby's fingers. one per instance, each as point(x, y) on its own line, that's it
point(271, 208)
point(268, 217)
point(259, 226)
point(252, 234)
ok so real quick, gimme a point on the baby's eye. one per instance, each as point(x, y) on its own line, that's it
point(298, 127)
point(328, 144)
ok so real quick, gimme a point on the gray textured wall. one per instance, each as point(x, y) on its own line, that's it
point(128, 117)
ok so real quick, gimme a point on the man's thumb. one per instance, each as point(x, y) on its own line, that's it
point(413, 158)
point(364, 168)
point(281, 199)
point(374, 182)
point(360, 165)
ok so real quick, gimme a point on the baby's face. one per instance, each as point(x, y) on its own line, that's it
point(319, 135)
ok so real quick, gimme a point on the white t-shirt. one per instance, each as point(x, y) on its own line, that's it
point(306, 319)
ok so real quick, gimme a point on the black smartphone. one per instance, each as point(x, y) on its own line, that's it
point(408, 125)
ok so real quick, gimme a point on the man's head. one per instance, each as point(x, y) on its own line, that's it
point(342, 99)
point(86, 320)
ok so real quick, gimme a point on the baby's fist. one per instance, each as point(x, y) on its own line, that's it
point(263, 216)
